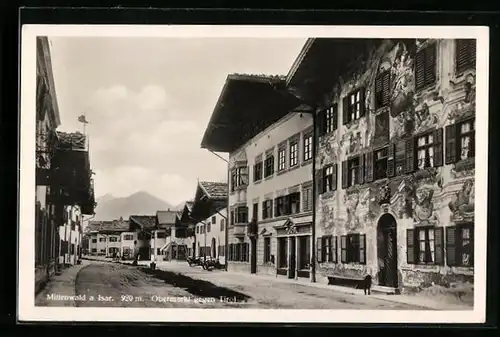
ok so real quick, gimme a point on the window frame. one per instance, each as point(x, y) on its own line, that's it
point(427, 146)
point(307, 146)
point(267, 209)
point(294, 153)
point(351, 106)
point(258, 171)
point(376, 160)
point(456, 248)
point(351, 168)
point(327, 178)
point(269, 166)
point(282, 159)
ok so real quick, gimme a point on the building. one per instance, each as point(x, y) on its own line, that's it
point(111, 238)
point(175, 247)
point(394, 166)
point(47, 120)
point(70, 234)
point(147, 246)
point(269, 141)
point(209, 217)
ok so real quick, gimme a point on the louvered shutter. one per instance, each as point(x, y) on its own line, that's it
point(276, 203)
point(410, 246)
point(465, 54)
point(390, 160)
point(344, 174)
point(334, 177)
point(319, 181)
point(410, 155)
point(420, 70)
point(362, 249)
point(430, 64)
point(369, 166)
point(438, 147)
point(335, 112)
point(335, 249)
point(319, 250)
point(438, 246)
point(379, 90)
point(345, 110)
point(362, 107)
point(386, 87)
point(451, 246)
point(451, 144)
point(343, 249)
point(361, 169)
point(271, 214)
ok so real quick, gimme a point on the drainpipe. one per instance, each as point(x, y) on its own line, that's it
point(313, 227)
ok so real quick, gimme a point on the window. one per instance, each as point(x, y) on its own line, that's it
point(353, 106)
point(353, 171)
point(241, 214)
point(94, 250)
point(425, 245)
point(307, 195)
point(257, 171)
point(465, 54)
point(460, 245)
point(293, 203)
point(304, 252)
point(353, 168)
point(232, 218)
point(214, 220)
point(382, 89)
point(161, 235)
point(94, 240)
point(328, 178)
point(279, 206)
point(294, 153)
point(128, 237)
point(380, 171)
point(209, 227)
point(425, 151)
point(327, 249)
point(329, 122)
point(102, 239)
point(222, 225)
point(267, 209)
point(197, 229)
point(267, 250)
point(308, 147)
point(425, 67)
point(113, 239)
point(283, 253)
point(269, 166)
point(255, 212)
point(239, 177)
point(72, 249)
point(353, 248)
point(281, 159)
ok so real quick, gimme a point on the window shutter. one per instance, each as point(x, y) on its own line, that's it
point(438, 147)
point(410, 246)
point(451, 144)
point(345, 110)
point(271, 208)
point(319, 181)
point(451, 243)
point(369, 166)
point(276, 206)
point(362, 102)
point(362, 249)
point(334, 177)
point(386, 94)
point(438, 246)
point(465, 54)
point(321, 125)
point(420, 70)
point(344, 174)
point(390, 160)
point(335, 113)
point(379, 90)
point(410, 155)
point(343, 249)
point(319, 250)
point(334, 250)
point(430, 64)
point(361, 169)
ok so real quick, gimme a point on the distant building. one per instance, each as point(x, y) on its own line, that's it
point(111, 238)
point(147, 246)
point(174, 247)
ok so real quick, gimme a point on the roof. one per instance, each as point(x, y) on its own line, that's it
point(214, 190)
point(166, 217)
point(189, 205)
point(146, 222)
point(71, 140)
point(247, 105)
point(108, 226)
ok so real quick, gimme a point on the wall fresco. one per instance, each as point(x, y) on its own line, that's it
point(462, 203)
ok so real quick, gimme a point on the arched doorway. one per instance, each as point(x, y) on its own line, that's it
point(214, 247)
point(387, 251)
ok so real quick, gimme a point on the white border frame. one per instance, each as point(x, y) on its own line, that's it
point(28, 311)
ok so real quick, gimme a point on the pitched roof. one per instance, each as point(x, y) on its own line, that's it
point(189, 205)
point(166, 217)
point(145, 221)
point(108, 226)
point(214, 190)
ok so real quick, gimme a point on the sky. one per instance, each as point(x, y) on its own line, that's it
point(148, 102)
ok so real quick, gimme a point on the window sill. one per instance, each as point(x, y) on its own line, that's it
point(294, 167)
point(306, 162)
point(269, 177)
point(257, 181)
point(327, 195)
point(283, 171)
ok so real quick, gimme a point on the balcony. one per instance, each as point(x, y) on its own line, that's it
point(239, 229)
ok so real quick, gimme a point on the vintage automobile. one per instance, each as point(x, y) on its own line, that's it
point(207, 263)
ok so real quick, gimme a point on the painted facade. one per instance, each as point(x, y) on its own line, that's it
point(70, 234)
point(395, 168)
point(271, 200)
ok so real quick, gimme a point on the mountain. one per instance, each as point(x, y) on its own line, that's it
point(139, 203)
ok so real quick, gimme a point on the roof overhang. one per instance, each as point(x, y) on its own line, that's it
point(320, 64)
point(246, 106)
point(204, 206)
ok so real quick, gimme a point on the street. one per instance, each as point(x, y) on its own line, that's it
point(104, 284)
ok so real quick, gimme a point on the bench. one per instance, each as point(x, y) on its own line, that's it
point(354, 281)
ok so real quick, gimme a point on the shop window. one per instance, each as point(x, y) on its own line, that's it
point(283, 252)
point(304, 252)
